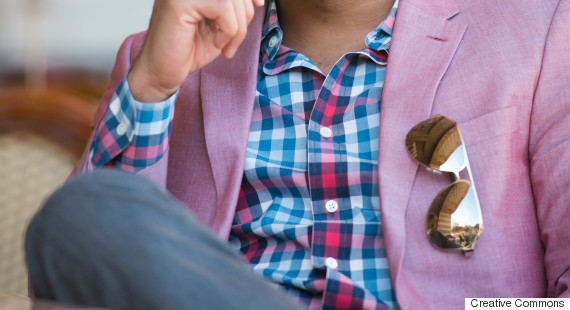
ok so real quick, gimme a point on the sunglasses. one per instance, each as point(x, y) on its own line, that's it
point(453, 220)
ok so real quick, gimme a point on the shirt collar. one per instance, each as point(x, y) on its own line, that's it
point(272, 35)
point(378, 39)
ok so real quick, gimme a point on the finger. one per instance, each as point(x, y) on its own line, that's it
point(249, 9)
point(222, 12)
point(228, 25)
point(258, 3)
point(240, 11)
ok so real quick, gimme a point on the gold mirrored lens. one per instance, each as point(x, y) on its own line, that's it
point(453, 220)
point(433, 141)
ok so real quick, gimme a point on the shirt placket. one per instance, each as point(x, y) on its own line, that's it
point(327, 168)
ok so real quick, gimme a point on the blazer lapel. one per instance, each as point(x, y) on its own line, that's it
point(423, 44)
point(227, 90)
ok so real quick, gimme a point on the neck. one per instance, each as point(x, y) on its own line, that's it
point(310, 25)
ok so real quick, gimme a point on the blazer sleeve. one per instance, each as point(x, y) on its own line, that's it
point(549, 152)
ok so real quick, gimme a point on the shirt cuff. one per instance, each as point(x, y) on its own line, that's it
point(130, 123)
point(146, 119)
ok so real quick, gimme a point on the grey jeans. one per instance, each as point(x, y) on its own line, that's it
point(113, 239)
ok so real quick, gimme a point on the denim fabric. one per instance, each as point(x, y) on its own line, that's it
point(113, 239)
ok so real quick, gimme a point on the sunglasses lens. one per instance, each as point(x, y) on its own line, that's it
point(453, 221)
point(437, 143)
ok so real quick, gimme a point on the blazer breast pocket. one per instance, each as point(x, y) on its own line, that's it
point(492, 125)
point(496, 145)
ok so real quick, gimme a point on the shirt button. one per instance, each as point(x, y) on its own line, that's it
point(272, 42)
point(331, 206)
point(121, 129)
point(331, 263)
point(326, 132)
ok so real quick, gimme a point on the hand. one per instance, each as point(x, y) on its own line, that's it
point(184, 36)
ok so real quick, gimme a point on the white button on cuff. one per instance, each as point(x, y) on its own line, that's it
point(121, 129)
point(272, 42)
point(326, 132)
point(331, 263)
point(331, 206)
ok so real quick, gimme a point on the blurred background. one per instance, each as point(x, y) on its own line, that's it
point(55, 60)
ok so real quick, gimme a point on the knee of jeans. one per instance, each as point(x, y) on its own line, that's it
point(97, 193)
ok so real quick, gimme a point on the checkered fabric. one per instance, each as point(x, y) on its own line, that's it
point(313, 147)
point(132, 135)
point(308, 214)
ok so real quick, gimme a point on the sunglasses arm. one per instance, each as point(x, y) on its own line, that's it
point(473, 187)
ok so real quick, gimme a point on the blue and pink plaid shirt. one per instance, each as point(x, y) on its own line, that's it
point(308, 214)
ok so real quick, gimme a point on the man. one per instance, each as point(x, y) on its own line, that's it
point(301, 164)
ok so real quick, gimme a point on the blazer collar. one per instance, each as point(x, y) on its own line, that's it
point(424, 42)
point(227, 115)
point(445, 9)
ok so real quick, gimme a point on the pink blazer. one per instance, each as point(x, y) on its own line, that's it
point(500, 69)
